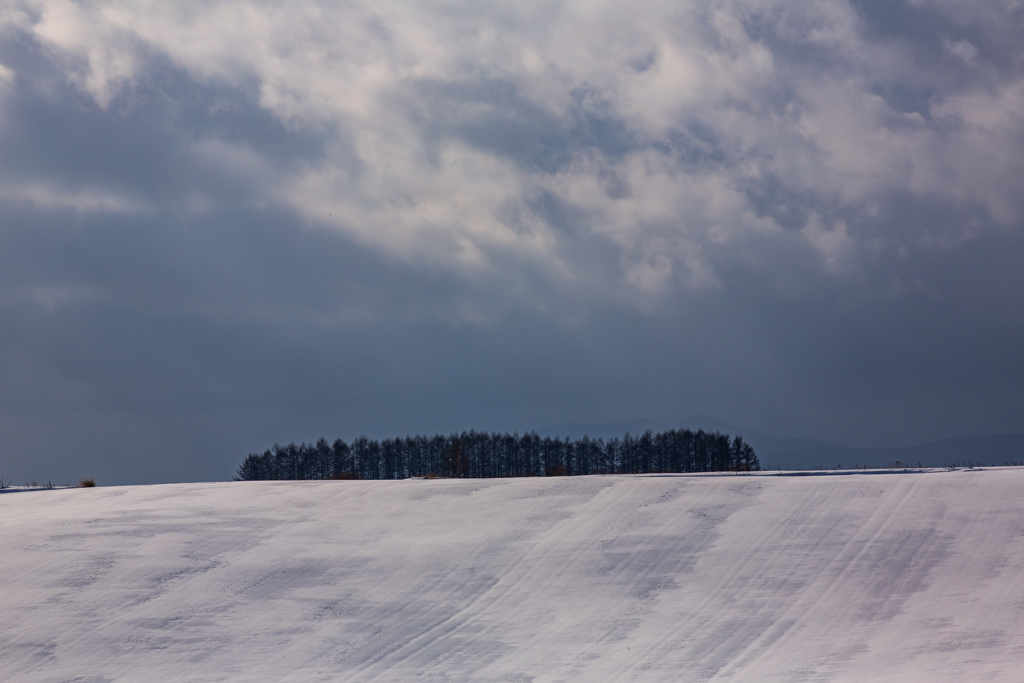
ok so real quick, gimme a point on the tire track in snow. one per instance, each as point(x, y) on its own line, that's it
point(731, 581)
point(525, 567)
point(817, 598)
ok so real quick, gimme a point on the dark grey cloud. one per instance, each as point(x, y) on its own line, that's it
point(229, 226)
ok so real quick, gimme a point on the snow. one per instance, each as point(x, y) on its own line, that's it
point(909, 576)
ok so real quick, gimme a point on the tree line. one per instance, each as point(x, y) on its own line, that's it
point(482, 454)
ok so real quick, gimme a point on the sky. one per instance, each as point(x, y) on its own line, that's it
point(229, 224)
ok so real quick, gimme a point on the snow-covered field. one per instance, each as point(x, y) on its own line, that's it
point(915, 576)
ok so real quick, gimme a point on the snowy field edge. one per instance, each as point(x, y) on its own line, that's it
point(774, 576)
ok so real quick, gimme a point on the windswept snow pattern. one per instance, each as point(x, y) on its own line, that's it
point(839, 577)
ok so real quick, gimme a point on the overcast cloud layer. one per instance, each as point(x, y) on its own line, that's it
point(225, 224)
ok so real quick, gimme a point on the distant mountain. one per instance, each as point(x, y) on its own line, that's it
point(604, 430)
point(803, 454)
point(980, 449)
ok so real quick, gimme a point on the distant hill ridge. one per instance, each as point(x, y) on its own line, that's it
point(797, 453)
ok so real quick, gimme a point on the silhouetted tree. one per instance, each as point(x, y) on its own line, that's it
point(483, 454)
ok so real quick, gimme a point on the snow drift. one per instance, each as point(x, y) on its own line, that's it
point(847, 577)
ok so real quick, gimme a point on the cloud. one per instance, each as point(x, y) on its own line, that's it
point(440, 122)
point(44, 197)
point(511, 210)
point(6, 76)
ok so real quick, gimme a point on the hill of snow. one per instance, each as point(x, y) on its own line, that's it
point(911, 576)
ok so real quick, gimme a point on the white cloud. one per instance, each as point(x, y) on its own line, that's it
point(964, 50)
point(833, 243)
point(448, 210)
point(701, 103)
point(49, 197)
point(7, 76)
